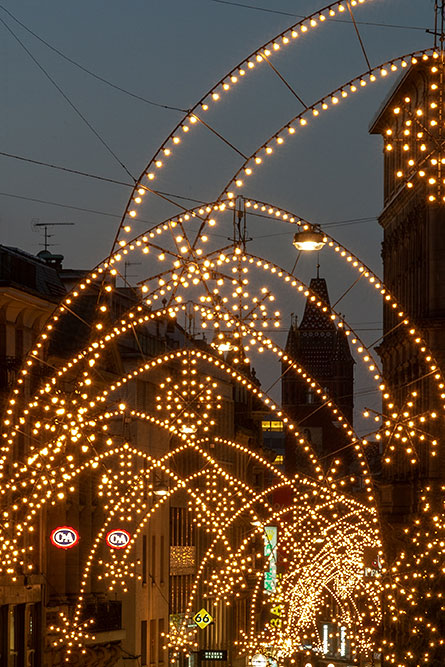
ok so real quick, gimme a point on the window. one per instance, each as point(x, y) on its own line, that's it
point(19, 344)
point(144, 559)
point(143, 642)
point(328, 631)
point(325, 638)
point(16, 634)
point(153, 559)
point(342, 641)
point(274, 425)
point(161, 640)
point(152, 640)
point(162, 560)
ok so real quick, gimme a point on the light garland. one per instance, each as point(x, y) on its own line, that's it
point(331, 530)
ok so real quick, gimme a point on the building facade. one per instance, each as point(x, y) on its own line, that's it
point(29, 291)
point(413, 253)
point(132, 626)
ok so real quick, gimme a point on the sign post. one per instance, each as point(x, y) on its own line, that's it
point(202, 618)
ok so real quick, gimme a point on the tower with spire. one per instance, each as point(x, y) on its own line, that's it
point(323, 351)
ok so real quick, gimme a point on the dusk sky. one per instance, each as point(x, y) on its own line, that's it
point(171, 52)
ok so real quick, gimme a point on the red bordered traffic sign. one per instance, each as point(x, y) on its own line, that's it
point(64, 537)
point(118, 538)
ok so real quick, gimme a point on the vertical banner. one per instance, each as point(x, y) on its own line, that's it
point(270, 552)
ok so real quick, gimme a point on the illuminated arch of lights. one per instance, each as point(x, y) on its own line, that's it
point(278, 138)
point(218, 519)
point(320, 571)
point(76, 631)
point(323, 104)
point(222, 87)
point(349, 257)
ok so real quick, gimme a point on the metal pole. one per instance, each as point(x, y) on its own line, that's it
point(442, 22)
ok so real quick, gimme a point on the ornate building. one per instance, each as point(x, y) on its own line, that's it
point(30, 289)
point(411, 122)
point(130, 627)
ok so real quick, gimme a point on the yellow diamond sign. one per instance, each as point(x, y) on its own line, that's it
point(202, 618)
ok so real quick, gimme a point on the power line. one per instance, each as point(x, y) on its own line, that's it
point(286, 83)
point(54, 203)
point(105, 179)
point(335, 223)
point(141, 220)
point(300, 16)
point(67, 169)
point(67, 99)
point(78, 172)
point(88, 71)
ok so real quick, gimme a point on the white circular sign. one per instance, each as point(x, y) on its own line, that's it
point(64, 537)
point(118, 538)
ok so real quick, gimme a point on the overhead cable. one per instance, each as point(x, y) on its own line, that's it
point(300, 16)
point(67, 99)
point(88, 71)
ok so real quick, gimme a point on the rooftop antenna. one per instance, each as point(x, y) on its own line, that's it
point(240, 236)
point(35, 222)
point(126, 274)
point(439, 23)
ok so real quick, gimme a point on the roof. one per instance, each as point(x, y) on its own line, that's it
point(292, 344)
point(25, 272)
point(313, 317)
point(397, 88)
point(317, 343)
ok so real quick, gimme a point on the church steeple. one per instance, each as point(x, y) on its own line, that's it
point(292, 343)
point(323, 351)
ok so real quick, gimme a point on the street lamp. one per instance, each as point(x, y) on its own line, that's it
point(223, 344)
point(259, 660)
point(188, 428)
point(309, 240)
point(160, 488)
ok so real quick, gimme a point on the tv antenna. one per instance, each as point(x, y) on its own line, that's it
point(126, 274)
point(439, 23)
point(35, 222)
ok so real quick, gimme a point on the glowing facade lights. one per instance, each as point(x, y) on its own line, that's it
point(75, 430)
point(419, 134)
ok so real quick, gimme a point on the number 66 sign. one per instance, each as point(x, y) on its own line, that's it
point(202, 618)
